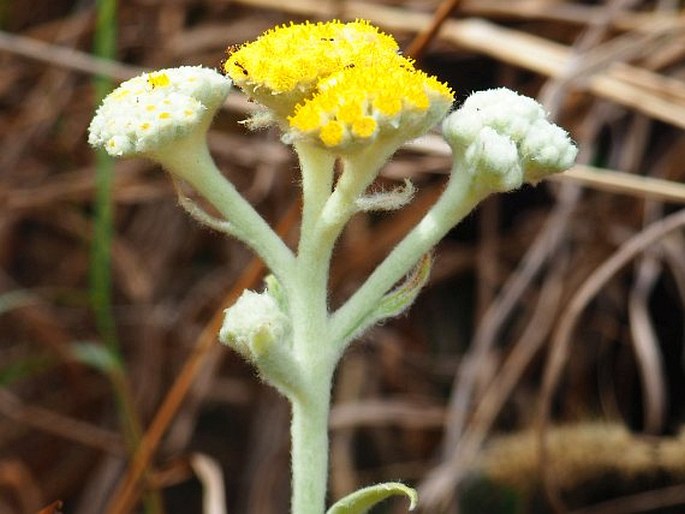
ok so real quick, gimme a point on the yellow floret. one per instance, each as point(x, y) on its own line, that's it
point(121, 93)
point(388, 104)
point(350, 111)
point(308, 120)
point(159, 79)
point(332, 133)
point(364, 127)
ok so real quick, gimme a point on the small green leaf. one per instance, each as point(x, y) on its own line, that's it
point(361, 501)
point(275, 289)
point(398, 300)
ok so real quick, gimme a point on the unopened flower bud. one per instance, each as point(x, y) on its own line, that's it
point(254, 325)
point(505, 139)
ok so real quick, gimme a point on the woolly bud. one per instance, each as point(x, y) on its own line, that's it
point(505, 139)
point(254, 325)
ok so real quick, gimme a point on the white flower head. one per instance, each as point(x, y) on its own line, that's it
point(154, 109)
point(506, 139)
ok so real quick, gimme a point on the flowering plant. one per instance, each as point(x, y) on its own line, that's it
point(339, 92)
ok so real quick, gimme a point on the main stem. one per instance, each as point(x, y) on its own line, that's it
point(325, 213)
point(309, 433)
point(313, 350)
point(311, 342)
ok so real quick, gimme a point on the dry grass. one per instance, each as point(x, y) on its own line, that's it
point(560, 303)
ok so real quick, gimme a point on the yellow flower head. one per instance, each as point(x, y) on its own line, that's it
point(338, 84)
point(363, 103)
point(284, 65)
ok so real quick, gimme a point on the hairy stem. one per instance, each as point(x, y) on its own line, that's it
point(458, 199)
point(309, 432)
point(190, 160)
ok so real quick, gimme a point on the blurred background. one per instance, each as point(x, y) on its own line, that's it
point(541, 369)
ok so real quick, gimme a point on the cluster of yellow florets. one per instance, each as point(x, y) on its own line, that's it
point(359, 103)
point(284, 64)
point(339, 84)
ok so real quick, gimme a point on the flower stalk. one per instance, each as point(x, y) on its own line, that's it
point(190, 160)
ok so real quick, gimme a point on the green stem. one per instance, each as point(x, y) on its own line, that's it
point(312, 349)
point(458, 199)
point(308, 302)
point(308, 294)
point(359, 171)
point(324, 216)
point(309, 432)
point(316, 167)
point(101, 253)
point(130, 425)
point(189, 159)
point(101, 259)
